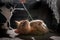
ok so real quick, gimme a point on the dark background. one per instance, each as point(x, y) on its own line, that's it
point(38, 10)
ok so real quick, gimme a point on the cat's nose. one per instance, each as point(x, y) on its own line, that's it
point(16, 31)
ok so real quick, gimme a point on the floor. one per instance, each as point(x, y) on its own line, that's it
point(48, 36)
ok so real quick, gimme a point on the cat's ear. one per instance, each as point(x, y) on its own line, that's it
point(17, 23)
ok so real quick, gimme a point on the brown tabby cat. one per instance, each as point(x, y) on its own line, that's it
point(32, 27)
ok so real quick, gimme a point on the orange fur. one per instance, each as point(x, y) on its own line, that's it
point(39, 25)
point(26, 27)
